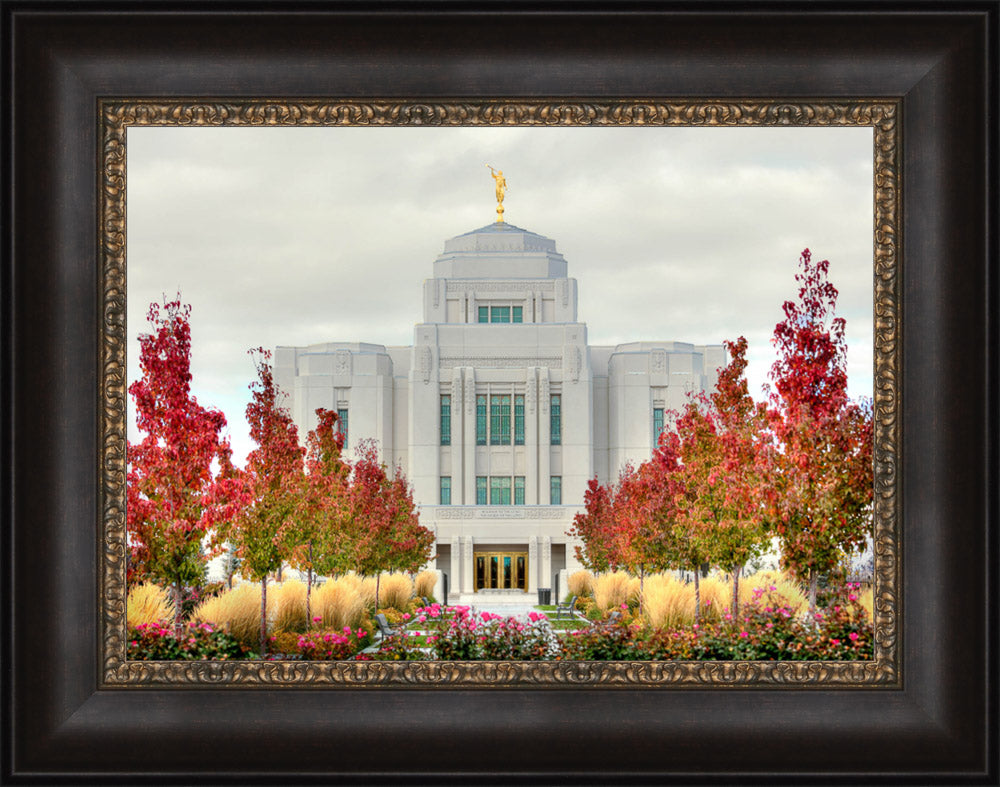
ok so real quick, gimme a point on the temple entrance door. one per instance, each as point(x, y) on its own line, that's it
point(502, 571)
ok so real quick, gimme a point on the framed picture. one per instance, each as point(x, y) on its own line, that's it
point(919, 708)
point(471, 345)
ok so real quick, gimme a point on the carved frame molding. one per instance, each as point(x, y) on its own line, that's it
point(117, 115)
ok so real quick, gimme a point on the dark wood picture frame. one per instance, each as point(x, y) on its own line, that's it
point(61, 724)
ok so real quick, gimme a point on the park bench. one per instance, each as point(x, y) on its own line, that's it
point(569, 608)
point(383, 627)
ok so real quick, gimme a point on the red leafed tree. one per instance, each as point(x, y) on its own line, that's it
point(595, 526)
point(272, 487)
point(322, 545)
point(382, 530)
point(622, 526)
point(722, 460)
point(822, 485)
point(170, 469)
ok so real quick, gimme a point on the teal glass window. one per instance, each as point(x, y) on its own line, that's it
point(519, 419)
point(445, 419)
point(500, 314)
point(555, 490)
point(481, 419)
point(446, 490)
point(555, 420)
point(500, 491)
point(519, 490)
point(342, 423)
point(500, 419)
point(484, 314)
point(657, 424)
point(517, 313)
point(480, 490)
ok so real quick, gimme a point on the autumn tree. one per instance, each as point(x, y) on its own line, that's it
point(822, 480)
point(273, 485)
point(322, 544)
point(722, 460)
point(623, 525)
point(382, 531)
point(596, 527)
point(169, 471)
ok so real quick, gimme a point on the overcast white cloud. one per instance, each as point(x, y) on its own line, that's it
point(303, 235)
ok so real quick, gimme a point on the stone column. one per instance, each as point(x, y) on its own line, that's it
point(544, 447)
point(455, 573)
point(533, 565)
point(531, 497)
point(469, 438)
point(467, 565)
point(545, 575)
point(457, 439)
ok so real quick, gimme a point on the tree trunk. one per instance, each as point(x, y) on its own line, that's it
point(642, 577)
point(377, 578)
point(178, 611)
point(309, 587)
point(736, 590)
point(813, 583)
point(697, 599)
point(263, 617)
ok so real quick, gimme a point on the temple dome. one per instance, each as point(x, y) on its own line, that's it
point(500, 251)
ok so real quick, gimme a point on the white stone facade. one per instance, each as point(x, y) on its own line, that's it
point(503, 421)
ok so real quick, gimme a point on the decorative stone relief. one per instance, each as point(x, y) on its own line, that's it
point(495, 512)
point(342, 362)
point(658, 362)
point(503, 286)
point(564, 291)
point(470, 393)
point(532, 390)
point(424, 364)
point(544, 394)
point(571, 362)
point(500, 362)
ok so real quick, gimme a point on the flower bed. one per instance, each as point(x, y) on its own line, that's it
point(198, 642)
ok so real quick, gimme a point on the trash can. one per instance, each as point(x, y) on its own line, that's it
point(544, 596)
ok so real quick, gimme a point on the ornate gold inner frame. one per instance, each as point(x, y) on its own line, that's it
point(116, 116)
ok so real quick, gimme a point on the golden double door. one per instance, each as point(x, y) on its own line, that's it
point(502, 571)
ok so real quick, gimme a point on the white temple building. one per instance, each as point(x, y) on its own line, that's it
point(500, 412)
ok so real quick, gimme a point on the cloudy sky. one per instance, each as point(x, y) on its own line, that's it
point(304, 235)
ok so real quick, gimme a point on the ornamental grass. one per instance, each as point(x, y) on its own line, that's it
point(785, 586)
point(236, 611)
point(866, 598)
point(581, 583)
point(339, 602)
point(286, 606)
point(667, 602)
point(148, 603)
point(611, 590)
point(424, 583)
point(395, 590)
point(716, 595)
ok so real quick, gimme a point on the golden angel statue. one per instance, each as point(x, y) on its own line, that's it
point(501, 184)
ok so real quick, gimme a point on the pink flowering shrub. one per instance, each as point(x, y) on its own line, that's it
point(766, 630)
point(459, 635)
point(613, 640)
point(198, 642)
point(332, 644)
